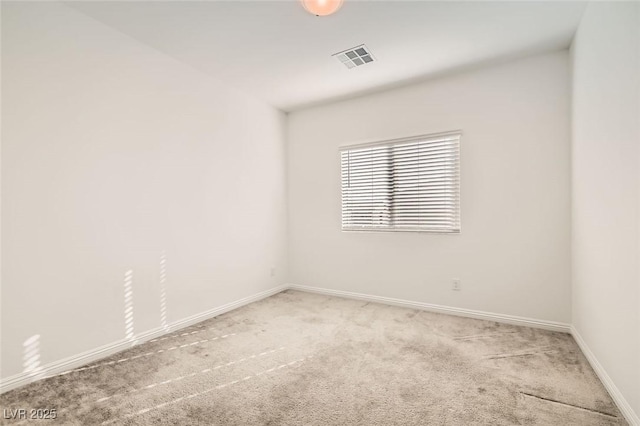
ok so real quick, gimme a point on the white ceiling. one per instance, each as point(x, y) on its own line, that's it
point(278, 52)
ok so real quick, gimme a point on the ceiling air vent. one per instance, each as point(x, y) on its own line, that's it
point(354, 57)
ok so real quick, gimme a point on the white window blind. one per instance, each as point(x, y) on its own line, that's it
point(402, 185)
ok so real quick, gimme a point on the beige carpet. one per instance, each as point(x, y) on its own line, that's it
point(303, 359)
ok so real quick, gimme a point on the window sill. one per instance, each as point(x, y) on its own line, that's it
point(418, 230)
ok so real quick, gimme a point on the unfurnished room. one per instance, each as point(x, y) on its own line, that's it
point(320, 212)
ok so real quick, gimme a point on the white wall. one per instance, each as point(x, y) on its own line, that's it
point(513, 255)
point(114, 153)
point(606, 185)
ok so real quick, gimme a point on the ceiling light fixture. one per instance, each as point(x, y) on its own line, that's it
point(322, 7)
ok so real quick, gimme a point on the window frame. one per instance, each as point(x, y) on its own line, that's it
point(395, 142)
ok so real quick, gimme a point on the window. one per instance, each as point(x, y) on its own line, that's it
point(402, 185)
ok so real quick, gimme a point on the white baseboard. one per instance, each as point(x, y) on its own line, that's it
point(92, 355)
point(81, 359)
point(623, 405)
point(614, 392)
point(470, 313)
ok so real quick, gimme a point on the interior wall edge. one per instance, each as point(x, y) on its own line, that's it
point(84, 358)
point(622, 403)
point(629, 414)
point(92, 355)
point(441, 309)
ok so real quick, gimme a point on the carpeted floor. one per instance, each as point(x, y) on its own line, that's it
point(304, 359)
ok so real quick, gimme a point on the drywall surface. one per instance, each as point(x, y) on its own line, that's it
point(513, 255)
point(136, 191)
point(606, 185)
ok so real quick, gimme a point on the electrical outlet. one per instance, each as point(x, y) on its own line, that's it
point(273, 272)
point(456, 285)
